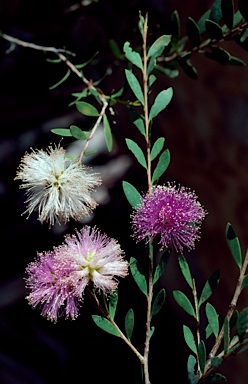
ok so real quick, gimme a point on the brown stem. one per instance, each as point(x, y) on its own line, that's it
point(145, 89)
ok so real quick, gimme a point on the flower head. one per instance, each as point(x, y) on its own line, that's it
point(57, 187)
point(171, 212)
point(57, 279)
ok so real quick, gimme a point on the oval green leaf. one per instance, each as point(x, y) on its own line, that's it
point(210, 286)
point(161, 102)
point(214, 30)
point(158, 302)
point(216, 13)
point(86, 109)
point(233, 244)
point(185, 270)
point(202, 355)
point(78, 133)
point(138, 275)
point(61, 131)
point(213, 319)
point(107, 133)
point(105, 325)
point(163, 163)
point(242, 324)
point(129, 323)
point(193, 32)
point(161, 265)
point(189, 339)
point(134, 85)
point(184, 302)
point(133, 56)
point(158, 46)
point(131, 193)
point(157, 147)
point(137, 151)
point(113, 301)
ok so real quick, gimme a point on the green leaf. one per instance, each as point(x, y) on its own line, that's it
point(185, 270)
point(138, 275)
point(163, 163)
point(151, 80)
point(107, 133)
point(234, 245)
point(202, 355)
point(184, 302)
point(227, 9)
point(131, 193)
point(214, 30)
point(141, 25)
point(210, 286)
point(188, 68)
point(174, 26)
point(202, 20)
point(151, 66)
point(157, 147)
point(161, 102)
point(138, 121)
point(218, 54)
point(105, 325)
point(136, 150)
point(161, 265)
point(61, 81)
point(191, 363)
point(168, 71)
point(216, 361)
point(242, 324)
point(158, 302)
point(189, 338)
point(216, 13)
point(133, 56)
point(193, 32)
point(129, 323)
point(78, 133)
point(158, 46)
point(234, 319)
point(113, 301)
point(236, 61)
point(217, 378)
point(86, 109)
point(134, 85)
point(151, 332)
point(115, 49)
point(245, 282)
point(62, 131)
point(226, 334)
point(213, 319)
point(242, 5)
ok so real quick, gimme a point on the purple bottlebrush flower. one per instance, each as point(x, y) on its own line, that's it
point(57, 280)
point(59, 188)
point(171, 212)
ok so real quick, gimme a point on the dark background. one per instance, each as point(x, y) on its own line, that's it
point(205, 128)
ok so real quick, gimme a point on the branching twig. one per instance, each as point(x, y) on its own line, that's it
point(61, 54)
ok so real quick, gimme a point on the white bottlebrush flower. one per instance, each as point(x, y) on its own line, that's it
point(59, 188)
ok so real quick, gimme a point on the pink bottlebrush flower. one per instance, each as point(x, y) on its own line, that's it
point(57, 187)
point(173, 213)
point(57, 279)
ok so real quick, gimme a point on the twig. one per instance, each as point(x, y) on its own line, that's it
point(61, 54)
point(25, 44)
